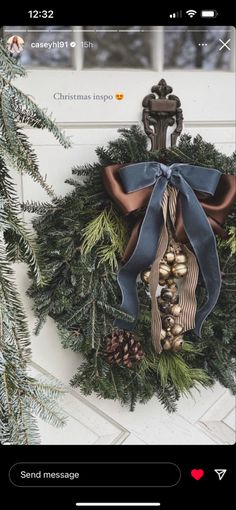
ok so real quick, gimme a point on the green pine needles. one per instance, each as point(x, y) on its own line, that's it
point(22, 398)
point(17, 110)
point(108, 225)
point(81, 239)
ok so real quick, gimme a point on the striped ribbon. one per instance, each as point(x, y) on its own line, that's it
point(187, 284)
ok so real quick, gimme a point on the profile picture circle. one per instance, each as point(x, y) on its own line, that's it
point(15, 45)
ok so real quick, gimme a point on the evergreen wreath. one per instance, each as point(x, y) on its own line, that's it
point(81, 239)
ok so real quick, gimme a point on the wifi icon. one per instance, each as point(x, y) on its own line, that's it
point(191, 13)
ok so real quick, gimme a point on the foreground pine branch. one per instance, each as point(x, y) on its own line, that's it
point(22, 398)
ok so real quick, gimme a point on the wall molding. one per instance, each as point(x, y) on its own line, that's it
point(129, 123)
point(213, 422)
point(78, 409)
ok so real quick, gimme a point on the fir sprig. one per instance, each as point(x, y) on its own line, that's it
point(107, 233)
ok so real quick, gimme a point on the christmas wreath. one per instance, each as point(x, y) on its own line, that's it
point(148, 346)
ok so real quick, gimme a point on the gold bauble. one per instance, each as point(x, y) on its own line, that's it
point(166, 294)
point(168, 321)
point(145, 275)
point(176, 310)
point(165, 307)
point(164, 271)
point(167, 345)
point(177, 344)
point(180, 258)
point(170, 257)
point(179, 270)
point(175, 298)
point(171, 283)
point(163, 334)
point(169, 336)
point(177, 329)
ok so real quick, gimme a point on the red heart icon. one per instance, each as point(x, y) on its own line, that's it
point(197, 474)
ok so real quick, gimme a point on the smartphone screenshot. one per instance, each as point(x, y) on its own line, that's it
point(117, 258)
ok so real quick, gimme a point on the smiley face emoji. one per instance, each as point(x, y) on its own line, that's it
point(119, 96)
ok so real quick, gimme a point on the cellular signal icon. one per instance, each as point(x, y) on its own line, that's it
point(177, 14)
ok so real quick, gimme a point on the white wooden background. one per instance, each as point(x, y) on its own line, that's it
point(208, 417)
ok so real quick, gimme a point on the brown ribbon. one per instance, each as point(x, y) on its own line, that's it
point(216, 207)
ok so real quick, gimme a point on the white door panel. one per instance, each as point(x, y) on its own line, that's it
point(201, 94)
point(208, 111)
point(85, 423)
point(219, 420)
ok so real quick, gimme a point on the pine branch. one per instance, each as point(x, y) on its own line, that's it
point(21, 245)
point(230, 242)
point(36, 207)
point(28, 112)
point(22, 398)
point(107, 226)
point(10, 68)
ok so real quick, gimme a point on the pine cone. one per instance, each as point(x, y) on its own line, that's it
point(122, 348)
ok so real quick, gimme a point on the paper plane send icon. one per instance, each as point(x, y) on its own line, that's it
point(220, 473)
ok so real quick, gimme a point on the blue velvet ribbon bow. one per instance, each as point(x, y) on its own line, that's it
point(185, 178)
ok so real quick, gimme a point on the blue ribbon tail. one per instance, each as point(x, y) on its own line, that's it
point(143, 255)
point(202, 239)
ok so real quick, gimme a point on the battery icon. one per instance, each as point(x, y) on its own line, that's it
point(209, 14)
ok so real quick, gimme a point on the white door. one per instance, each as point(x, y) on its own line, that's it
point(207, 95)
